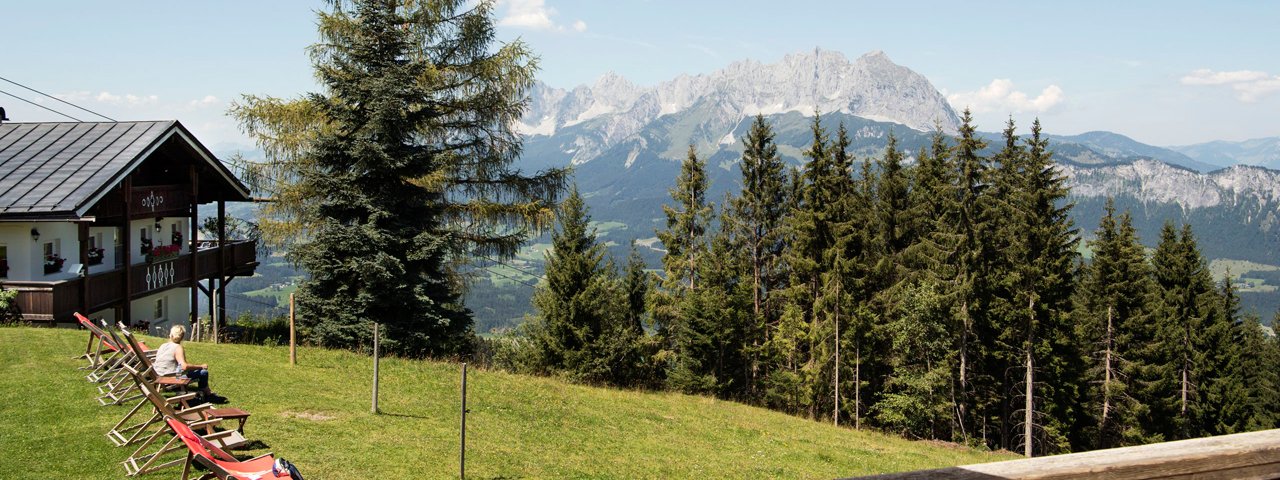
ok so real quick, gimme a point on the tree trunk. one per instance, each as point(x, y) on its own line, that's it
point(835, 412)
point(1106, 382)
point(964, 352)
point(857, 386)
point(1030, 406)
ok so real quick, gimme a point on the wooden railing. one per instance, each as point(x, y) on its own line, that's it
point(1242, 455)
point(56, 301)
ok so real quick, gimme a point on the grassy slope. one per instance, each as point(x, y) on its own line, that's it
point(317, 415)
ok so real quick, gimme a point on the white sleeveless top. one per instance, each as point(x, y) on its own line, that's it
point(166, 363)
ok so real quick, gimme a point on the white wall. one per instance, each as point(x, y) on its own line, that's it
point(17, 241)
point(177, 310)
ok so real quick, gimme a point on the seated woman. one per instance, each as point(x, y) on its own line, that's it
point(171, 359)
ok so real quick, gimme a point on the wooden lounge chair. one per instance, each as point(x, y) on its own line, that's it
point(120, 388)
point(107, 355)
point(96, 348)
point(221, 464)
point(202, 416)
point(139, 373)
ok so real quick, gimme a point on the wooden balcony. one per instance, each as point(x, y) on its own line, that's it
point(56, 301)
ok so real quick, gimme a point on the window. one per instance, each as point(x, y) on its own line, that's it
point(53, 260)
point(4, 261)
point(160, 312)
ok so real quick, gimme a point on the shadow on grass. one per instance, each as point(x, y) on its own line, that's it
point(404, 415)
point(252, 445)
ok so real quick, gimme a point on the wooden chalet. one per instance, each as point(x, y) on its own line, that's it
point(103, 218)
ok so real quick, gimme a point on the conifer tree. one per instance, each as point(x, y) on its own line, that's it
point(1224, 393)
point(809, 236)
point(971, 255)
point(1113, 318)
point(398, 170)
point(756, 218)
point(574, 303)
point(893, 208)
point(684, 239)
point(678, 310)
point(1038, 245)
point(1176, 357)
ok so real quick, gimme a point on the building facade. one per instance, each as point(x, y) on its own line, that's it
point(103, 218)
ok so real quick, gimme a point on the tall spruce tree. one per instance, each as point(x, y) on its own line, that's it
point(1037, 254)
point(675, 302)
point(1176, 358)
point(573, 304)
point(1113, 325)
point(971, 256)
point(398, 171)
point(756, 218)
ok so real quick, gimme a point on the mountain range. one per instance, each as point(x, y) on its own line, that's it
point(625, 143)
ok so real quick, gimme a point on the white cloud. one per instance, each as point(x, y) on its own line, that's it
point(534, 15)
point(1205, 76)
point(1000, 96)
point(104, 97)
point(208, 100)
point(1249, 85)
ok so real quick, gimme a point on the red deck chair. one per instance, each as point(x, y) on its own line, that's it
point(221, 464)
point(104, 357)
point(94, 349)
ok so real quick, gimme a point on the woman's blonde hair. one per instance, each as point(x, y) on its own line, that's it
point(176, 332)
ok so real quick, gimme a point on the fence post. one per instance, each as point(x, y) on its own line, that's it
point(375, 368)
point(293, 338)
point(462, 452)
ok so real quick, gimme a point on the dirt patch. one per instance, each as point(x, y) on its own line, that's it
point(313, 416)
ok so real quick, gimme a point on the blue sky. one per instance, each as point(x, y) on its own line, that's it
point(1165, 73)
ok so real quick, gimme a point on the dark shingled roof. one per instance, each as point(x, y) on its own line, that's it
point(61, 169)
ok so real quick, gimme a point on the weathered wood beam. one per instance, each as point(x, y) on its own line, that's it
point(1242, 455)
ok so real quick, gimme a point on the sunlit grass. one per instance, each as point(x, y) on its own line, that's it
point(317, 415)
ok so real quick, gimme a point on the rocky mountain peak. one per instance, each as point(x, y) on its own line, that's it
point(614, 110)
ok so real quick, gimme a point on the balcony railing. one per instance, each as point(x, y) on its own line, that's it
point(56, 301)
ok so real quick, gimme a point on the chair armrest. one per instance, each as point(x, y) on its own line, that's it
point(180, 398)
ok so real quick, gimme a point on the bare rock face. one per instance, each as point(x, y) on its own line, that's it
point(614, 110)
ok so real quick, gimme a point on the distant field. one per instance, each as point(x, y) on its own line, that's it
point(316, 415)
point(281, 294)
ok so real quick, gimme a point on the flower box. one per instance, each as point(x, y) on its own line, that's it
point(95, 256)
point(161, 253)
point(53, 264)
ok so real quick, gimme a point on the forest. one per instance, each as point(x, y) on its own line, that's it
point(946, 299)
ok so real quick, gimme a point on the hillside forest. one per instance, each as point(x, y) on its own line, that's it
point(941, 300)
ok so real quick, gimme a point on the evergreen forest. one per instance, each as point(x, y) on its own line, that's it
point(946, 299)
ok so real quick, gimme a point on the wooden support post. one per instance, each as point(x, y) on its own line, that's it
point(462, 450)
point(82, 231)
point(222, 266)
point(126, 305)
point(191, 244)
point(214, 321)
point(293, 337)
point(375, 367)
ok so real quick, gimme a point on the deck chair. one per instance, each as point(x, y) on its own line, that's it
point(203, 417)
point(221, 464)
point(107, 355)
point(141, 372)
point(120, 388)
point(94, 350)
